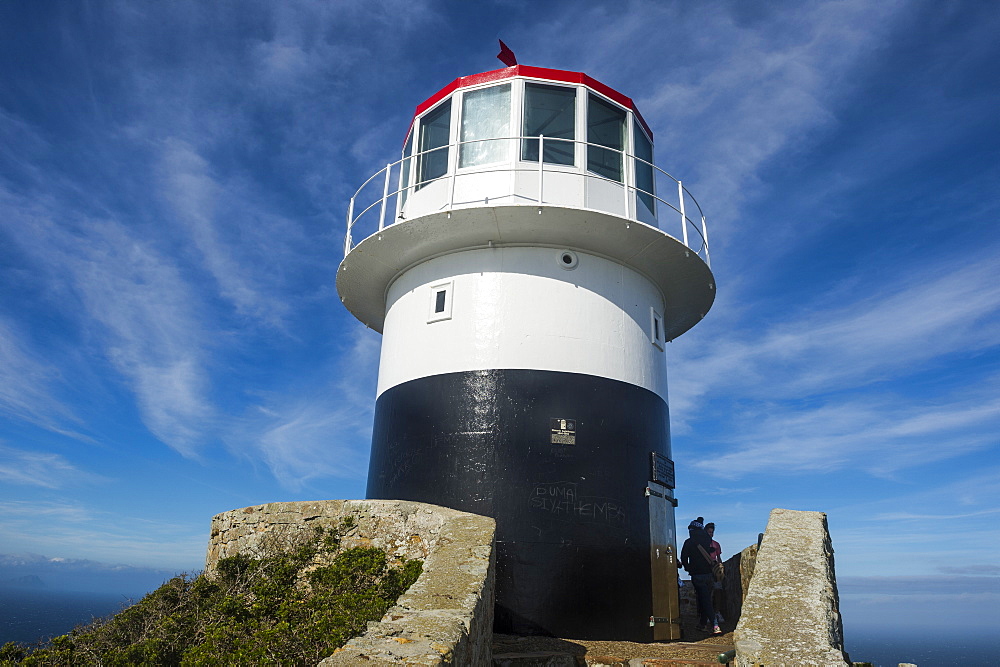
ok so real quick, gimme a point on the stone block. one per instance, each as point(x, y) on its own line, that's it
point(739, 570)
point(791, 614)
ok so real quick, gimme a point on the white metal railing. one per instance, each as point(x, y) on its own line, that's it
point(370, 198)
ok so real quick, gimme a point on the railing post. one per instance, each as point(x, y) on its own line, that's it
point(350, 223)
point(385, 195)
point(541, 165)
point(704, 239)
point(628, 172)
point(684, 226)
point(454, 177)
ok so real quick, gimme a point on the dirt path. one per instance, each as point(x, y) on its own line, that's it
point(704, 650)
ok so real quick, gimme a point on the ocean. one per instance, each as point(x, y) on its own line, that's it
point(30, 615)
point(926, 650)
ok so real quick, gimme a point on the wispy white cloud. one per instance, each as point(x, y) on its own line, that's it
point(196, 255)
point(21, 510)
point(723, 95)
point(935, 311)
point(728, 491)
point(132, 304)
point(820, 390)
point(34, 468)
point(880, 435)
point(309, 433)
point(20, 144)
point(983, 569)
point(912, 516)
point(920, 585)
point(28, 381)
point(151, 330)
point(936, 523)
point(236, 237)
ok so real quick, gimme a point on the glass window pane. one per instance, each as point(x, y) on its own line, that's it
point(605, 127)
point(434, 135)
point(404, 173)
point(485, 118)
point(644, 171)
point(549, 111)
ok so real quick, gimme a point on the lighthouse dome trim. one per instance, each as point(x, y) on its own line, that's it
point(543, 73)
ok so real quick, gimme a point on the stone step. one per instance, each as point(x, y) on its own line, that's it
point(536, 659)
point(559, 659)
point(667, 662)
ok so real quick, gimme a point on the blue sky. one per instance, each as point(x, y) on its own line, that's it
point(173, 184)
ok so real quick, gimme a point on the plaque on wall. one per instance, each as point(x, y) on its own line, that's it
point(563, 431)
point(663, 470)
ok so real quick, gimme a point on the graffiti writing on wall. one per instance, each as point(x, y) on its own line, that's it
point(562, 500)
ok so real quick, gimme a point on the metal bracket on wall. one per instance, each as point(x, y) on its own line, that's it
point(651, 492)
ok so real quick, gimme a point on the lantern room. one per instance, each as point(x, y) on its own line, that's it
point(478, 140)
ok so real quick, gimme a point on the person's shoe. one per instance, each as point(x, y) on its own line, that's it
point(716, 630)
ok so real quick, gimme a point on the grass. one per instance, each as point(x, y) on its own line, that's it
point(303, 598)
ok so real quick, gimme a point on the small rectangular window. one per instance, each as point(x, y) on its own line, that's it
point(440, 302)
point(605, 127)
point(644, 169)
point(656, 332)
point(549, 111)
point(435, 132)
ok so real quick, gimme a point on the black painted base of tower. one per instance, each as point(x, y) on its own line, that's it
point(573, 519)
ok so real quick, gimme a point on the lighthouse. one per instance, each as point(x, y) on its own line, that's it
point(527, 263)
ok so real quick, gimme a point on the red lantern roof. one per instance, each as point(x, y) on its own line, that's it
point(578, 78)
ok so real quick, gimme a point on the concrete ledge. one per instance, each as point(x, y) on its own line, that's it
point(446, 617)
point(791, 614)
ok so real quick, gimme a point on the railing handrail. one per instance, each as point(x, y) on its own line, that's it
point(510, 164)
point(553, 165)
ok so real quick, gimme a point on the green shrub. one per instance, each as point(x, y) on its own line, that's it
point(293, 606)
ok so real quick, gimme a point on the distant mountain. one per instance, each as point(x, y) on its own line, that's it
point(34, 571)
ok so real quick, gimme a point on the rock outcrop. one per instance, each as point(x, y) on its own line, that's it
point(445, 618)
point(791, 614)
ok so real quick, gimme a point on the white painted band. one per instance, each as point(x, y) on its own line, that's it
point(520, 308)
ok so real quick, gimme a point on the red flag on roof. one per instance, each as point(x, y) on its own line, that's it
point(506, 56)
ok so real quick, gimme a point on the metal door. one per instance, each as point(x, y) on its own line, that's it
point(665, 618)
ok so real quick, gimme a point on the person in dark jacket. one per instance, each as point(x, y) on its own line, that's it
point(698, 564)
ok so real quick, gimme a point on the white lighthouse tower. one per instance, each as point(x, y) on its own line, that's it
point(526, 264)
